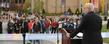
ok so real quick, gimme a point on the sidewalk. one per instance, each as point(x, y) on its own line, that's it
point(105, 43)
point(104, 22)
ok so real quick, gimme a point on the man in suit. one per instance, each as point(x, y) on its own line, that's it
point(108, 24)
point(90, 26)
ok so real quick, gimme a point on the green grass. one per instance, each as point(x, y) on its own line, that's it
point(105, 40)
point(104, 29)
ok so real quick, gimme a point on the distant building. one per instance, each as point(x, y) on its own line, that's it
point(11, 4)
point(58, 6)
point(55, 6)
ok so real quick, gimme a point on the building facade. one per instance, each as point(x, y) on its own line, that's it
point(59, 6)
point(54, 6)
point(11, 4)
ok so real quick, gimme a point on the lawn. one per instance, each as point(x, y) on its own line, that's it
point(104, 29)
point(106, 40)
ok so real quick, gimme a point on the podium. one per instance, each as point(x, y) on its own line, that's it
point(69, 40)
point(65, 39)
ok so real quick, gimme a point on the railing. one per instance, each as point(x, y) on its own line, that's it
point(48, 37)
point(30, 36)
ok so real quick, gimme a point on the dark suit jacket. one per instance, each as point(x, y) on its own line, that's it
point(108, 24)
point(90, 25)
point(0, 27)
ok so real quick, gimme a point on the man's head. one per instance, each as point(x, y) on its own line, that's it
point(88, 7)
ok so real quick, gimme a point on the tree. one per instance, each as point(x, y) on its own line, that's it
point(38, 6)
point(43, 11)
point(69, 11)
point(26, 6)
point(77, 12)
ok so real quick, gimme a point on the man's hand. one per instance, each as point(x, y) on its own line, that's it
point(68, 34)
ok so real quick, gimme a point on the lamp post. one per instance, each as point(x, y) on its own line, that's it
point(65, 6)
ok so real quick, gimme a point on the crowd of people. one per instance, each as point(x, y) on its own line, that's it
point(33, 23)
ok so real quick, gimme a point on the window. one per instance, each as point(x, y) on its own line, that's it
point(5, 0)
point(19, 1)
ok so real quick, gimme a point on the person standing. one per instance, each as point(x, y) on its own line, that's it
point(108, 23)
point(54, 25)
point(11, 26)
point(0, 24)
point(30, 25)
point(41, 23)
point(5, 25)
point(90, 26)
point(47, 25)
point(36, 26)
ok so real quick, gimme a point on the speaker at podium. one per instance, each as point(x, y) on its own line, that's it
point(68, 40)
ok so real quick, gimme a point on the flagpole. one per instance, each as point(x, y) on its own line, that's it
point(61, 6)
point(65, 6)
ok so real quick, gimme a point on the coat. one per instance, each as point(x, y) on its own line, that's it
point(90, 26)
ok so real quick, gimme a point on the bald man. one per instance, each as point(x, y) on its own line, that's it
point(90, 26)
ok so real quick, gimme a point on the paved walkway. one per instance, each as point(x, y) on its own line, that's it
point(105, 43)
point(104, 22)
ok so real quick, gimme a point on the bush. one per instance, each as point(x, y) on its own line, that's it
point(70, 12)
point(77, 12)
